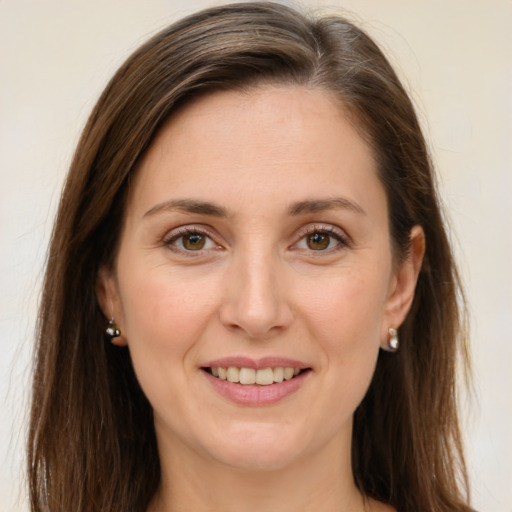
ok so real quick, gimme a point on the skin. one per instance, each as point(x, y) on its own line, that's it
point(271, 160)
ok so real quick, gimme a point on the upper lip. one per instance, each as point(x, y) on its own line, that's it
point(257, 364)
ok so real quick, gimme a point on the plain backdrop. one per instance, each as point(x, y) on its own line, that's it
point(456, 57)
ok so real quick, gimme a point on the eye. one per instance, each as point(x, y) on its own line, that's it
point(190, 240)
point(325, 239)
point(318, 241)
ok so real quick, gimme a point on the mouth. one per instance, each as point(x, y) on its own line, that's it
point(251, 376)
point(256, 382)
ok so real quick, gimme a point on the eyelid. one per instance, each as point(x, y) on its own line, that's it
point(174, 234)
point(328, 229)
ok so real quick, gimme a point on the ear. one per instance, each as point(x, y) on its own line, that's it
point(109, 301)
point(403, 284)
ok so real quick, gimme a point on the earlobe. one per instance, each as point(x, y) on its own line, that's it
point(404, 284)
point(108, 300)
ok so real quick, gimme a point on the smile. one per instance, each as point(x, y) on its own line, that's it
point(251, 376)
point(256, 387)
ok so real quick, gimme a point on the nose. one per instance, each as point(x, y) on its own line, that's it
point(255, 302)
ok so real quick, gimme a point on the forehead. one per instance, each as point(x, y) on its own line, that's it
point(269, 141)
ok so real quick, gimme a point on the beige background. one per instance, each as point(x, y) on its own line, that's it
point(55, 58)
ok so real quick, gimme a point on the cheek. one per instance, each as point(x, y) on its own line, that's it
point(344, 316)
point(347, 308)
point(165, 317)
point(164, 313)
point(341, 315)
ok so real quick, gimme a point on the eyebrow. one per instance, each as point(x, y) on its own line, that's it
point(189, 206)
point(299, 208)
point(320, 205)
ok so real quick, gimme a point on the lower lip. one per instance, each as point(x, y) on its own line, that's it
point(254, 394)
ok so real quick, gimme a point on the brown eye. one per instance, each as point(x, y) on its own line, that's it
point(318, 241)
point(194, 241)
point(322, 240)
point(187, 240)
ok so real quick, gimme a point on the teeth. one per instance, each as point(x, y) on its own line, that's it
point(247, 376)
point(288, 373)
point(233, 374)
point(278, 374)
point(263, 377)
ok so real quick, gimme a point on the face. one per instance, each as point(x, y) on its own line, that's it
point(255, 281)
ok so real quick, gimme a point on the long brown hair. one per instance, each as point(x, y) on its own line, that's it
point(91, 442)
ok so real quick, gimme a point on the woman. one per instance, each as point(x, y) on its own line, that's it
point(251, 219)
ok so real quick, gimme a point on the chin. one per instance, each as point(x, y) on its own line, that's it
point(258, 448)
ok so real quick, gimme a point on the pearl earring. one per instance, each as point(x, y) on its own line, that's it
point(112, 330)
point(393, 342)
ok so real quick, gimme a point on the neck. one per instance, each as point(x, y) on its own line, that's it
point(321, 482)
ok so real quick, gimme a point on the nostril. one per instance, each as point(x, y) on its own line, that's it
point(256, 309)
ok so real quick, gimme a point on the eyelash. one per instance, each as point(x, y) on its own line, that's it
point(170, 240)
point(342, 240)
point(339, 236)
